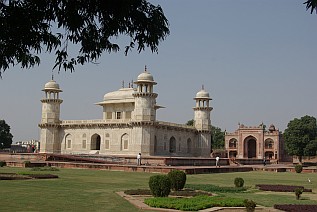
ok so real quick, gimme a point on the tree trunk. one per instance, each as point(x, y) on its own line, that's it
point(300, 158)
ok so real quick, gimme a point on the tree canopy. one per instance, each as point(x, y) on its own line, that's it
point(311, 5)
point(5, 135)
point(301, 136)
point(218, 138)
point(29, 27)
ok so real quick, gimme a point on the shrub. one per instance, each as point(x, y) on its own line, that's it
point(195, 203)
point(298, 168)
point(238, 182)
point(3, 163)
point(178, 179)
point(27, 163)
point(298, 192)
point(290, 207)
point(160, 185)
point(249, 204)
point(43, 176)
point(45, 168)
point(281, 188)
point(214, 188)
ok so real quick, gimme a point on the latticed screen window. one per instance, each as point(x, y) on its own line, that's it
point(84, 144)
point(118, 115)
point(107, 144)
point(125, 144)
point(69, 143)
point(109, 115)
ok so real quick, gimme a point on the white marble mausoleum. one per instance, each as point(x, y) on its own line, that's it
point(128, 126)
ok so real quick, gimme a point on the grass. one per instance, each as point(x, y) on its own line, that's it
point(94, 190)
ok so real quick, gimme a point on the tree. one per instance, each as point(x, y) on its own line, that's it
point(190, 122)
point(218, 138)
point(5, 135)
point(311, 5)
point(29, 27)
point(300, 137)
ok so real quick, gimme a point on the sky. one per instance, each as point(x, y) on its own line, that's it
point(257, 59)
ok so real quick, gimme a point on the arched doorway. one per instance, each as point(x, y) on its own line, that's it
point(269, 155)
point(95, 142)
point(250, 147)
point(172, 145)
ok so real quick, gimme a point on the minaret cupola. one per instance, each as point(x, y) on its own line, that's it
point(145, 98)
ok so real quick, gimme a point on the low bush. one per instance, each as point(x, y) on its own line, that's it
point(178, 179)
point(280, 188)
point(298, 192)
point(238, 182)
point(2, 163)
point(27, 163)
point(160, 185)
point(213, 188)
point(306, 208)
point(194, 203)
point(43, 176)
point(249, 204)
point(298, 168)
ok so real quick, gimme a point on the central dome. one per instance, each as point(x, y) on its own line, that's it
point(121, 94)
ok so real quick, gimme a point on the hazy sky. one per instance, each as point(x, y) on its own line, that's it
point(257, 59)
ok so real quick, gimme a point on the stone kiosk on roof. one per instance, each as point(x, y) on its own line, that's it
point(128, 125)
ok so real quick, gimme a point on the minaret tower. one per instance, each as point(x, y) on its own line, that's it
point(202, 122)
point(50, 122)
point(145, 99)
point(202, 110)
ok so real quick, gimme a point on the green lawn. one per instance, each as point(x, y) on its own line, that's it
point(93, 190)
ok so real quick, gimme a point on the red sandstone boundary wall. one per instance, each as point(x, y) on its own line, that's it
point(18, 156)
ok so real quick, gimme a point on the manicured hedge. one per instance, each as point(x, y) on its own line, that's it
point(160, 185)
point(178, 179)
point(43, 176)
point(280, 188)
point(194, 203)
point(239, 182)
point(296, 208)
point(13, 176)
point(213, 188)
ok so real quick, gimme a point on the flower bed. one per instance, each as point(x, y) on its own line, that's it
point(295, 208)
point(280, 188)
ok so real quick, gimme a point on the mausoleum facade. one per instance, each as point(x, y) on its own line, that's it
point(128, 126)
